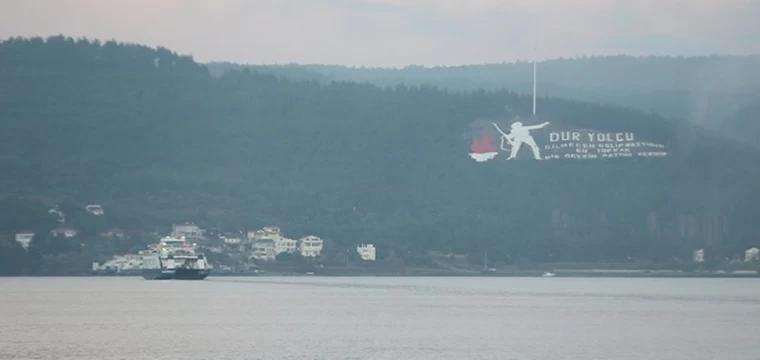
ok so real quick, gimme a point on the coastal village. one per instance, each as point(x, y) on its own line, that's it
point(258, 248)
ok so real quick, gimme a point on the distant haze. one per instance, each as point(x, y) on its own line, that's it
point(398, 32)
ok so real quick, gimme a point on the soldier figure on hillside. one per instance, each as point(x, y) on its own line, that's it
point(518, 135)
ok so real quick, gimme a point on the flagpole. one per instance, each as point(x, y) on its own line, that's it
point(534, 82)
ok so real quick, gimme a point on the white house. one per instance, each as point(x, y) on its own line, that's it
point(310, 246)
point(699, 255)
point(752, 254)
point(25, 238)
point(231, 239)
point(283, 244)
point(256, 234)
point(264, 250)
point(268, 232)
point(113, 234)
point(96, 210)
point(271, 230)
point(190, 231)
point(64, 231)
point(366, 252)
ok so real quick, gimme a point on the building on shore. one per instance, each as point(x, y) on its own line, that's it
point(752, 254)
point(114, 233)
point(189, 231)
point(264, 250)
point(270, 242)
point(119, 263)
point(24, 238)
point(366, 252)
point(310, 246)
point(64, 231)
point(231, 239)
point(699, 256)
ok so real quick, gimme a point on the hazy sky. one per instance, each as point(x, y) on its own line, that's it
point(398, 32)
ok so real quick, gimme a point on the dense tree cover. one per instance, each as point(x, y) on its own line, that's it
point(744, 124)
point(157, 142)
point(708, 91)
point(50, 254)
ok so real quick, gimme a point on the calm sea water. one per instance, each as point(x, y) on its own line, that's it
point(380, 318)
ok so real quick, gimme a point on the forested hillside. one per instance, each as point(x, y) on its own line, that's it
point(707, 91)
point(155, 139)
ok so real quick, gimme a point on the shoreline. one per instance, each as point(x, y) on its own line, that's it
point(437, 273)
point(557, 274)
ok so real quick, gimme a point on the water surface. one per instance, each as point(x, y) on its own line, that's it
point(379, 318)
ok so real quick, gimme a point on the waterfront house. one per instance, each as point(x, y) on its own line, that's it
point(752, 254)
point(264, 250)
point(366, 252)
point(285, 245)
point(310, 246)
point(699, 256)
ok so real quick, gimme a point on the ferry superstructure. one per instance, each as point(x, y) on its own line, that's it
point(174, 258)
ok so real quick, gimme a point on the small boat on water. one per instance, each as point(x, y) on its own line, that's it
point(174, 258)
point(548, 274)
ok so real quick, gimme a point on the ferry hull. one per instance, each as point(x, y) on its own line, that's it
point(190, 274)
point(180, 274)
point(157, 275)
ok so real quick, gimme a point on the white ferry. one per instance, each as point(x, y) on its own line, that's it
point(174, 258)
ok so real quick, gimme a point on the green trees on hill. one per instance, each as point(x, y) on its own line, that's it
point(708, 91)
point(156, 144)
